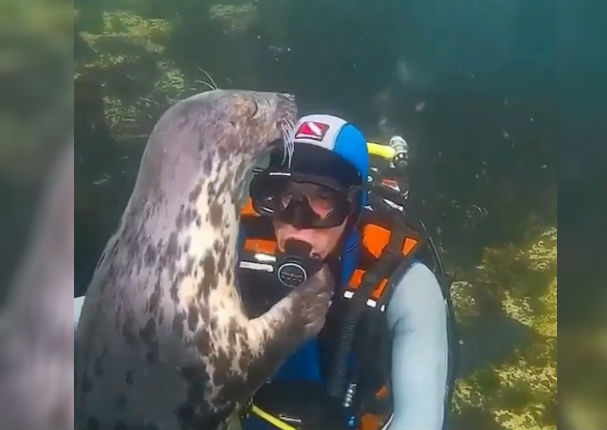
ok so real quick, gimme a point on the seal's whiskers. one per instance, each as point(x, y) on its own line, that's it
point(211, 87)
point(287, 128)
point(208, 75)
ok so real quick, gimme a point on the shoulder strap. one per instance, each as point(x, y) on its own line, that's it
point(390, 256)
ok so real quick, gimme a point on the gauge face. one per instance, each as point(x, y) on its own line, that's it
point(291, 274)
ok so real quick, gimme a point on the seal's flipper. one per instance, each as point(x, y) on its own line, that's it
point(288, 324)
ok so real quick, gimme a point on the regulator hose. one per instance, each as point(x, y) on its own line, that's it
point(388, 259)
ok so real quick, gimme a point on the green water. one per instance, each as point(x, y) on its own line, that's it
point(469, 84)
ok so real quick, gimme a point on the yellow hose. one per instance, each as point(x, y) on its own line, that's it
point(380, 150)
point(271, 419)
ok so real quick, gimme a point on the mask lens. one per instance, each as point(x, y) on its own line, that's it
point(323, 201)
point(309, 205)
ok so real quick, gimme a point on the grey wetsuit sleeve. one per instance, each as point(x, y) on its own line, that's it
point(417, 318)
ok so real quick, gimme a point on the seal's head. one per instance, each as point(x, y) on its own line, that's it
point(204, 133)
point(191, 181)
point(245, 121)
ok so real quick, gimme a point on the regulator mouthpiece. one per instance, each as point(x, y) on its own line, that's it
point(295, 265)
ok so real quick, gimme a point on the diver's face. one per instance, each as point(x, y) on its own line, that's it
point(323, 240)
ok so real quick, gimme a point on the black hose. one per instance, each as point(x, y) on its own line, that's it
point(391, 254)
point(337, 382)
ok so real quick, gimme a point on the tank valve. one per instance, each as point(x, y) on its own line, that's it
point(401, 151)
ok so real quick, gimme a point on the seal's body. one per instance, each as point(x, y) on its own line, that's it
point(163, 341)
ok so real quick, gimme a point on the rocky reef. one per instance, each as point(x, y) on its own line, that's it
point(514, 292)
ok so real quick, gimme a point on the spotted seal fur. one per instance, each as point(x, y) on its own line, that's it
point(163, 341)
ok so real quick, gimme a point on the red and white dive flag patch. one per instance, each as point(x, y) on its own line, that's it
point(312, 130)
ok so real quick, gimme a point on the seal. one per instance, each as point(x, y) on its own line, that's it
point(163, 340)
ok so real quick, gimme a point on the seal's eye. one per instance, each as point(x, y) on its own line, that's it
point(254, 108)
point(245, 106)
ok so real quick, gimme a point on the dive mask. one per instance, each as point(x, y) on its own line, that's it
point(295, 265)
point(303, 202)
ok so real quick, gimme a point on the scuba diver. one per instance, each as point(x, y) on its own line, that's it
point(385, 356)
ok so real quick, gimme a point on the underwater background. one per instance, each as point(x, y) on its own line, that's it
point(469, 84)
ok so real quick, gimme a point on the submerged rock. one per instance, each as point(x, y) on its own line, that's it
point(234, 17)
point(134, 79)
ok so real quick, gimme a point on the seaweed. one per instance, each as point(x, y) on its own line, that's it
point(518, 283)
